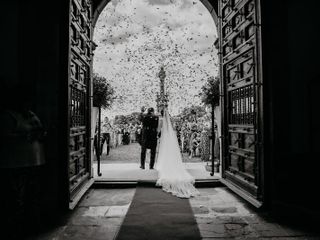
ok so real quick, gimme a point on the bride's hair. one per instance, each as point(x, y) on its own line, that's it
point(150, 110)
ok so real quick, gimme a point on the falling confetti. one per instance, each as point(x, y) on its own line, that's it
point(136, 38)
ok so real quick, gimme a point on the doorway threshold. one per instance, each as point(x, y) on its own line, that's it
point(128, 175)
point(116, 183)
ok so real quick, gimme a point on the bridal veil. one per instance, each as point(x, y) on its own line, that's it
point(173, 177)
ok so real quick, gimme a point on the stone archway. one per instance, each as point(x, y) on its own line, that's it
point(205, 6)
point(99, 5)
point(240, 53)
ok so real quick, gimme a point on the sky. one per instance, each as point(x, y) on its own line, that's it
point(136, 37)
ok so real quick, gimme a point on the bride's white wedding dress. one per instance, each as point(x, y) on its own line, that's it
point(173, 177)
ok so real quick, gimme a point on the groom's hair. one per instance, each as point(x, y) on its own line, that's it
point(150, 110)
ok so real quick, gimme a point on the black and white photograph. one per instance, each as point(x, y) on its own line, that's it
point(159, 120)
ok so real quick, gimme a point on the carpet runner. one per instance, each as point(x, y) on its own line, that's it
point(157, 215)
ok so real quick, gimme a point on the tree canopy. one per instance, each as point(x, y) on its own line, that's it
point(211, 91)
point(192, 112)
point(103, 92)
point(132, 118)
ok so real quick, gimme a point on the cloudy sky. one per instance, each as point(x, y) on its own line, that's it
point(136, 37)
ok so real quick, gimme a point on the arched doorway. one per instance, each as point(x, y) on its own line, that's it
point(179, 35)
point(238, 22)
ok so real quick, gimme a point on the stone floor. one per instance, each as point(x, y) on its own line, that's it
point(219, 213)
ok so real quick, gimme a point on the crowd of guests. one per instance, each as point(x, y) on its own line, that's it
point(124, 134)
point(115, 135)
point(193, 137)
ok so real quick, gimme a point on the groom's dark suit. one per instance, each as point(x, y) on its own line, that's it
point(149, 137)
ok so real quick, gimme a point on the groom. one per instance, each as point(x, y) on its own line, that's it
point(148, 135)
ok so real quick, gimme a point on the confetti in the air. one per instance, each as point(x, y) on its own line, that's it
point(136, 37)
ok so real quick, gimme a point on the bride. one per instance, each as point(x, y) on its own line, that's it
point(173, 177)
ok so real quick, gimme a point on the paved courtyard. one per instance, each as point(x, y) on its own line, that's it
point(219, 213)
point(131, 154)
point(123, 164)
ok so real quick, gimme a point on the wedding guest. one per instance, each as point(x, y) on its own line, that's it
point(197, 143)
point(205, 145)
point(22, 161)
point(132, 133)
point(193, 135)
point(126, 135)
point(138, 134)
point(106, 130)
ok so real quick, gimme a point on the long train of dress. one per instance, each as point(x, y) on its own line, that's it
point(173, 177)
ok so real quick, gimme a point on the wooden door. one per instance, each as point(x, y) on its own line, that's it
point(241, 87)
point(80, 58)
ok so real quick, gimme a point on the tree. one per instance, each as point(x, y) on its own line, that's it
point(120, 119)
point(192, 112)
point(211, 92)
point(103, 97)
point(103, 92)
point(132, 118)
point(210, 95)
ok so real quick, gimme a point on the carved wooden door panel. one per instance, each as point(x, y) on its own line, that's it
point(79, 96)
point(241, 87)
